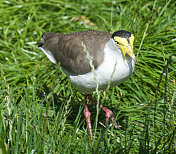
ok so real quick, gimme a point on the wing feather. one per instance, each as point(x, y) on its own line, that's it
point(68, 50)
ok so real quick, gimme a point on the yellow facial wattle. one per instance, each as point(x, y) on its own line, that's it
point(126, 46)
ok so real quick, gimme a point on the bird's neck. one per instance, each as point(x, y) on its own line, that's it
point(113, 47)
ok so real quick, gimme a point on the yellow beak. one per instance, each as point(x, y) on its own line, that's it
point(131, 53)
point(128, 50)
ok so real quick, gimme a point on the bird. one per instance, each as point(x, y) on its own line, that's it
point(92, 59)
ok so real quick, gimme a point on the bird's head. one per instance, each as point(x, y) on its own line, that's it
point(124, 40)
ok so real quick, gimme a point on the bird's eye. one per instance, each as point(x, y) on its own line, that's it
point(121, 41)
point(117, 42)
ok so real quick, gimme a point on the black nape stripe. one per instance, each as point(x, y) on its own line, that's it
point(122, 33)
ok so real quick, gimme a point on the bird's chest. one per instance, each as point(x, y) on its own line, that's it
point(114, 70)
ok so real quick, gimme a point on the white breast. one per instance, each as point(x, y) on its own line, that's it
point(114, 70)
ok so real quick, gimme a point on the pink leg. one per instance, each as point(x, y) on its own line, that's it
point(109, 113)
point(87, 115)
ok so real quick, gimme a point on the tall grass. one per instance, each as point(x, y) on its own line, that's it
point(41, 111)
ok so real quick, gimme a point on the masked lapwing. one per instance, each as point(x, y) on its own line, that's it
point(92, 58)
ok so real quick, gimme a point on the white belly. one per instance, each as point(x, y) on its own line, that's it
point(114, 70)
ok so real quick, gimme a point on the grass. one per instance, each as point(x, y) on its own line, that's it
point(41, 112)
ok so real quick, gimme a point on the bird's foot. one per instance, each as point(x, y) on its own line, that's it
point(87, 115)
point(109, 114)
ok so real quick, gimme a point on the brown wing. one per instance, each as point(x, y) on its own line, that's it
point(68, 50)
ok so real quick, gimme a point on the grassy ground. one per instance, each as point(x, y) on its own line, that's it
point(41, 112)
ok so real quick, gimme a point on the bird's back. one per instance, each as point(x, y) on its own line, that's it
point(68, 49)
